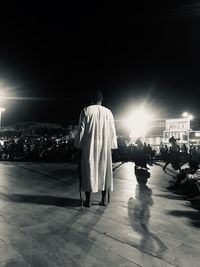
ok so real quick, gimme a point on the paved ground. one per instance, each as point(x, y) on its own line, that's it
point(145, 225)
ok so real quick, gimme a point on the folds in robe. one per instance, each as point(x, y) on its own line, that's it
point(96, 137)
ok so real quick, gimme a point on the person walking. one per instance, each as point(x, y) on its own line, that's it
point(173, 155)
point(96, 137)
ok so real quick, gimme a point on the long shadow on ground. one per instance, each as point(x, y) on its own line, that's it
point(139, 215)
point(45, 200)
point(194, 216)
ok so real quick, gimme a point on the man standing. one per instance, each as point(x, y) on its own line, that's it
point(96, 137)
point(173, 156)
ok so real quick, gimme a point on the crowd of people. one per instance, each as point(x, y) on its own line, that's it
point(178, 155)
point(51, 149)
point(139, 152)
point(58, 149)
point(187, 180)
point(182, 159)
point(41, 148)
point(102, 146)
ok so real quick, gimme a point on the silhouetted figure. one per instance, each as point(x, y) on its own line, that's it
point(193, 167)
point(173, 156)
point(140, 158)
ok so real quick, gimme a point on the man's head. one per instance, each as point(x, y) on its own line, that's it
point(172, 140)
point(97, 97)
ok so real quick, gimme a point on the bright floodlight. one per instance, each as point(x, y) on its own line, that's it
point(190, 117)
point(138, 122)
point(1, 110)
point(185, 114)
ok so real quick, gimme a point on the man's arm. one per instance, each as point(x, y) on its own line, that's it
point(81, 129)
point(113, 136)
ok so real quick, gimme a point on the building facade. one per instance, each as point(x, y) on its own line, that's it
point(186, 131)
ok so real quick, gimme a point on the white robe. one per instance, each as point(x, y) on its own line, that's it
point(96, 136)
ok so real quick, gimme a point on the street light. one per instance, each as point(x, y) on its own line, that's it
point(189, 118)
point(185, 114)
point(1, 111)
point(138, 122)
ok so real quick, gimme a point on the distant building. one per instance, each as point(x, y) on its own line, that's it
point(194, 138)
point(178, 128)
point(39, 128)
point(184, 130)
point(154, 136)
point(8, 131)
point(161, 130)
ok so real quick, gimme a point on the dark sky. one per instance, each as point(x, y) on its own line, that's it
point(53, 55)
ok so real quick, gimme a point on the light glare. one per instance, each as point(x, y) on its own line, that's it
point(190, 117)
point(138, 122)
point(185, 114)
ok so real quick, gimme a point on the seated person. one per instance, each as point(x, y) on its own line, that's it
point(190, 173)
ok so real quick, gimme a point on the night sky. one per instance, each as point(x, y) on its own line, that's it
point(53, 55)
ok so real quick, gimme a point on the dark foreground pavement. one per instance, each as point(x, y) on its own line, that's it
point(144, 225)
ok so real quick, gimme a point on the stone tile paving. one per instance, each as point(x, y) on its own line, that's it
point(144, 225)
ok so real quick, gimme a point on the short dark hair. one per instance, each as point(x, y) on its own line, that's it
point(96, 96)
